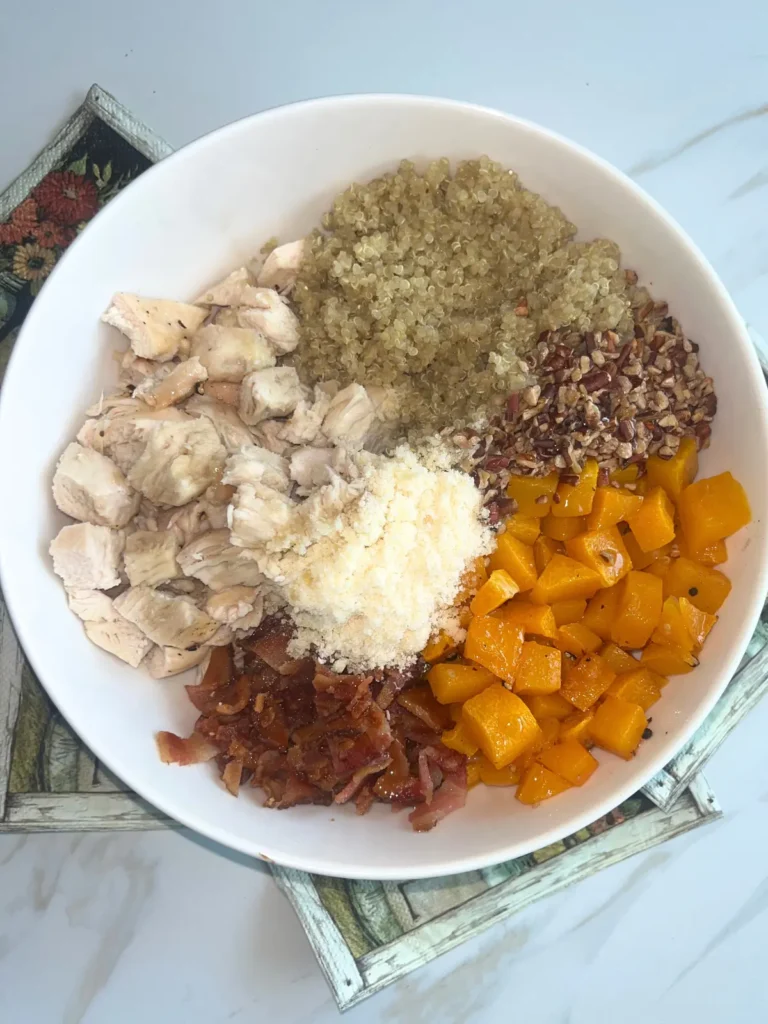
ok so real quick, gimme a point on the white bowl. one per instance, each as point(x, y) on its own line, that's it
point(188, 221)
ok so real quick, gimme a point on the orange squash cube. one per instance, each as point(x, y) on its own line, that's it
point(538, 784)
point(712, 554)
point(563, 579)
point(601, 612)
point(439, 647)
point(453, 683)
point(713, 509)
point(539, 669)
point(618, 727)
point(534, 619)
point(569, 611)
point(543, 550)
point(525, 528)
point(612, 505)
point(548, 736)
point(641, 687)
point(533, 494)
point(498, 588)
point(570, 760)
point(643, 559)
point(661, 566)
point(676, 473)
point(666, 660)
point(586, 681)
point(563, 529)
point(638, 610)
point(515, 558)
point(628, 475)
point(704, 587)
point(459, 739)
point(653, 525)
point(618, 659)
point(494, 644)
point(601, 550)
point(455, 711)
point(473, 769)
point(672, 629)
point(698, 623)
point(500, 723)
point(576, 727)
point(490, 776)
point(576, 499)
point(548, 705)
point(577, 639)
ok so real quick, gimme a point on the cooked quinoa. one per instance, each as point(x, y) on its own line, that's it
point(438, 284)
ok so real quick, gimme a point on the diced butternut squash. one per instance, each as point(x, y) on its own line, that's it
point(577, 639)
point(586, 681)
point(515, 558)
point(548, 705)
point(453, 683)
point(601, 611)
point(642, 559)
point(628, 475)
point(706, 588)
point(548, 736)
point(638, 687)
point(498, 588)
point(455, 711)
point(458, 738)
point(539, 783)
point(612, 505)
point(438, 648)
point(494, 644)
point(570, 760)
point(563, 529)
point(490, 776)
point(660, 567)
point(712, 554)
point(713, 509)
point(601, 550)
point(569, 611)
point(525, 528)
point(667, 661)
point(500, 723)
point(576, 727)
point(676, 473)
point(565, 578)
point(653, 525)
point(619, 660)
point(672, 629)
point(638, 610)
point(576, 499)
point(543, 550)
point(533, 494)
point(534, 619)
point(618, 727)
point(698, 623)
point(539, 669)
point(474, 765)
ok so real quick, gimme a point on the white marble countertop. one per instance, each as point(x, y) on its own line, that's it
point(114, 929)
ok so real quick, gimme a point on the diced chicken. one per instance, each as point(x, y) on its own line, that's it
point(281, 266)
point(265, 394)
point(170, 620)
point(178, 462)
point(156, 328)
point(258, 514)
point(150, 556)
point(122, 432)
point(186, 522)
point(163, 662)
point(237, 289)
point(305, 424)
point(313, 467)
point(190, 587)
point(134, 370)
point(268, 312)
point(213, 559)
point(174, 387)
point(254, 465)
point(349, 417)
point(232, 604)
point(223, 391)
point(219, 495)
point(106, 628)
point(88, 486)
point(229, 353)
point(87, 557)
point(268, 434)
point(233, 432)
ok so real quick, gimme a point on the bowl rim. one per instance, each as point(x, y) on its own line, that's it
point(445, 865)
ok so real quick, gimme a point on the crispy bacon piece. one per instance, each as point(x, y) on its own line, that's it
point(182, 750)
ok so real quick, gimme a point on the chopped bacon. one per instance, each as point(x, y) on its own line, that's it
point(451, 796)
point(182, 750)
point(272, 648)
point(232, 775)
point(359, 777)
point(364, 799)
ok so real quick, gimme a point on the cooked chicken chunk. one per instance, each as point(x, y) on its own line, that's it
point(212, 559)
point(236, 289)
point(223, 391)
point(186, 522)
point(233, 432)
point(163, 662)
point(233, 604)
point(179, 461)
point(269, 313)
point(156, 328)
point(170, 620)
point(257, 514)
point(228, 353)
point(134, 371)
point(313, 467)
point(150, 556)
point(90, 487)
point(282, 265)
point(349, 417)
point(174, 387)
point(268, 434)
point(106, 628)
point(87, 557)
point(305, 424)
point(265, 394)
point(121, 433)
point(254, 465)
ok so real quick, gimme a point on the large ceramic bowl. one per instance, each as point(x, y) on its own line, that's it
point(188, 221)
